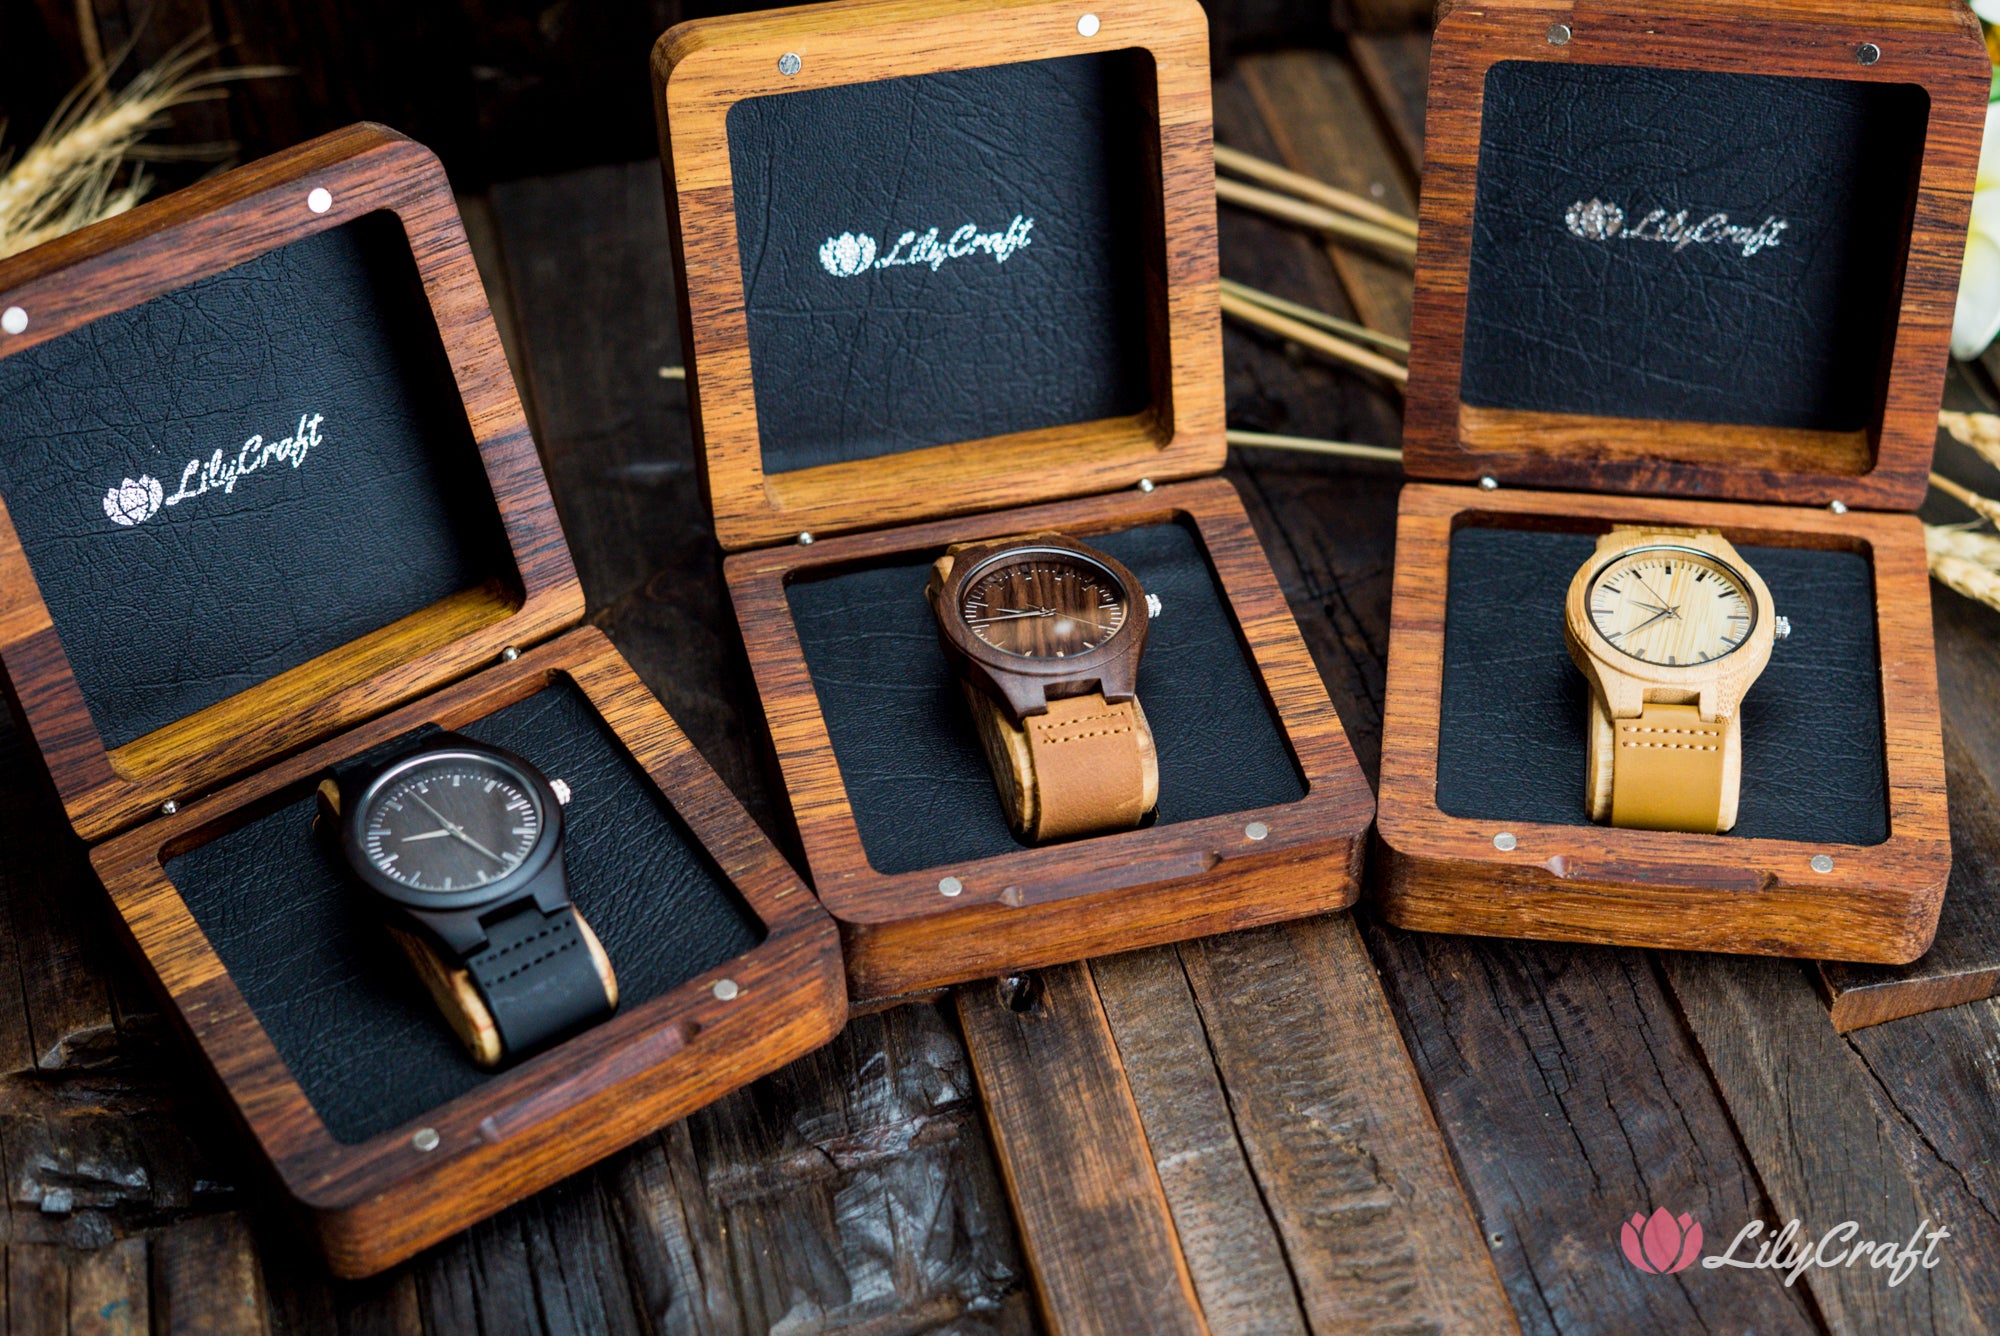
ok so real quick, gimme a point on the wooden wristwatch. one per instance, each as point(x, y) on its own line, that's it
point(458, 846)
point(1045, 634)
point(1670, 627)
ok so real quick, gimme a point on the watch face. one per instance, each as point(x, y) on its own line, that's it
point(1043, 604)
point(1671, 606)
point(454, 822)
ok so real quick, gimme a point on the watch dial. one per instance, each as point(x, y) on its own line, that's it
point(453, 824)
point(1671, 606)
point(1044, 605)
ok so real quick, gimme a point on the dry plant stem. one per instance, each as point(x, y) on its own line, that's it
point(1312, 188)
point(1981, 431)
point(1331, 324)
point(1985, 506)
point(1314, 216)
point(1309, 445)
point(1965, 561)
point(1353, 354)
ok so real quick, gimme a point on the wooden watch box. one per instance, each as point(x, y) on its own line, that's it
point(1682, 264)
point(268, 501)
point(949, 274)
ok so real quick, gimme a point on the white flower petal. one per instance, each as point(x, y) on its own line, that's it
point(1976, 319)
point(1989, 144)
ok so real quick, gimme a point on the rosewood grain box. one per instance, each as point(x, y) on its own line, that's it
point(949, 274)
point(1692, 265)
point(268, 500)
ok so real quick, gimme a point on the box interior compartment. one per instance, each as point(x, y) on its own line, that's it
point(225, 482)
point(903, 736)
point(1687, 247)
point(1514, 708)
point(951, 256)
point(338, 1000)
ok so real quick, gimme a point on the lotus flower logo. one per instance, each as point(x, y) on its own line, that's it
point(1595, 221)
point(1659, 1244)
point(134, 501)
point(848, 254)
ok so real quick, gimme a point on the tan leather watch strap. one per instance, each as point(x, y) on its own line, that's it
point(1668, 770)
point(1092, 766)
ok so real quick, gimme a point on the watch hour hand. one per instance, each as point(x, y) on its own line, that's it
point(438, 834)
point(453, 828)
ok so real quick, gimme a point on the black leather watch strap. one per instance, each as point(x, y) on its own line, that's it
point(537, 977)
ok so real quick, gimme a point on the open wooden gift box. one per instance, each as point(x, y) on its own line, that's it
point(859, 412)
point(1774, 375)
point(195, 626)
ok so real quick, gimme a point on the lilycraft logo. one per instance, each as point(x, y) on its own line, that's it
point(1665, 1244)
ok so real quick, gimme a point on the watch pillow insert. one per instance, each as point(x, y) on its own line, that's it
point(222, 483)
point(341, 1004)
point(945, 257)
point(903, 735)
point(1514, 709)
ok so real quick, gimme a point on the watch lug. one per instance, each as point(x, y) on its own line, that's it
point(550, 887)
point(459, 931)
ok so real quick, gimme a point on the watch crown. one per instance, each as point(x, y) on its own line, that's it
point(1152, 605)
point(561, 789)
point(1781, 627)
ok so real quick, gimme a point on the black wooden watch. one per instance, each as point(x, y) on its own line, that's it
point(458, 845)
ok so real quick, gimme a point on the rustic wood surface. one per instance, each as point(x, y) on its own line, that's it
point(860, 1190)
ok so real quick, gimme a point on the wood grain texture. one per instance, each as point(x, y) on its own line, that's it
point(1094, 1220)
point(1114, 892)
point(1934, 45)
point(376, 1202)
point(704, 67)
point(191, 235)
point(1656, 888)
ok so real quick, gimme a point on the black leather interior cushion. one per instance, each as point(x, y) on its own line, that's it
point(854, 358)
point(910, 757)
point(194, 600)
point(1795, 335)
point(348, 1016)
point(1511, 744)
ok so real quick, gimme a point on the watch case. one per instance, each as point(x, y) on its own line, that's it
point(864, 399)
point(268, 500)
point(1603, 330)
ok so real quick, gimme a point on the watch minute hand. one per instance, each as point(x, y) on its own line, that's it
point(457, 830)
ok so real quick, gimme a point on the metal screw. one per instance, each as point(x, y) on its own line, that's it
point(1867, 53)
point(560, 787)
point(1837, 507)
point(169, 807)
point(1145, 484)
point(509, 654)
point(1558, 34)
point(805, 540)
point(1822, 862)
point(789, 63)
point(725, 990)
point(425, 1139)
point(1256, 830)
point(1088, 25)
point(1781, 627)
point(1505, 841)
point(14, 320)
point(319, 199)
point(950, 886)
point(1489, 483)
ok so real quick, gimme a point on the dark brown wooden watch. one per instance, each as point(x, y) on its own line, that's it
point(1045, 634)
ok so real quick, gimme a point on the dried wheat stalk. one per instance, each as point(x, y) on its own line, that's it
point(71, 175)
point(1966, 561)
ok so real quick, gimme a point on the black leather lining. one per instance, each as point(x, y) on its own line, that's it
point(1796, 335)
point(204, 598)
point(910, 758)
point(881, 360)
point(1511, 744)
point(353, 1025)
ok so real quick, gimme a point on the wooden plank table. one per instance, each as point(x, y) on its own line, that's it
point(1324, 1127)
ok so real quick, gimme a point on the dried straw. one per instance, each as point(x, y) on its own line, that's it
point(1981, 431)
point(1966, 561)
point(70, 176)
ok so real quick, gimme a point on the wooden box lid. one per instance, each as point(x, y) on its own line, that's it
point(941, 258)
point(1691, 248)
point(263, 474)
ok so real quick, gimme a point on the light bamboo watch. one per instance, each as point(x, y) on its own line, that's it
point(1670, 627)
point(1045, 634)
